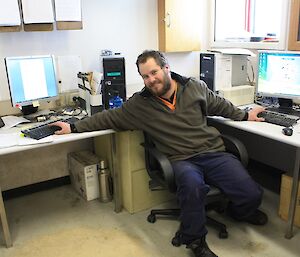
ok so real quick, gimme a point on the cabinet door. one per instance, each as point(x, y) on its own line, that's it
point(294, 34)
point(179, 25)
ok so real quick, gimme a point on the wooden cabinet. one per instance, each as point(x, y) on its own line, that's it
point(179, 25)
point(294, 33)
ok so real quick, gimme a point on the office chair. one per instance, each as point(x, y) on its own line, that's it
point(162, 178)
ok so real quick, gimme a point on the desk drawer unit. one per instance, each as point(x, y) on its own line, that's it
point(135, 192)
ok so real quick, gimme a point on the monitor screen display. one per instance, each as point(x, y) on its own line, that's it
point(278, 74)
point(31, 78)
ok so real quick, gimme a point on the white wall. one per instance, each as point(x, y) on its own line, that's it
point(123, 26)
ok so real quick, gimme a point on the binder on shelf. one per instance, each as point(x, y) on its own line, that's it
point(68, 14)
point(10, 28)
point(37, 15)
point(69, 25)
point(10, 19)
point(38, 27)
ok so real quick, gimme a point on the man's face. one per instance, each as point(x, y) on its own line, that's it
point(156, 79)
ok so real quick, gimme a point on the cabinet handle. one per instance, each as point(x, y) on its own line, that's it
point(167, 20)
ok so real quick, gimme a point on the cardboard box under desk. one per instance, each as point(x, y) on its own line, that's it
point(84, 169)
point(285, 197)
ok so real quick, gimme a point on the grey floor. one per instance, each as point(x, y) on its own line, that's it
point(59, 223)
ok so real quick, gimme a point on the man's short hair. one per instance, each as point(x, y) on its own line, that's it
point(159, 58)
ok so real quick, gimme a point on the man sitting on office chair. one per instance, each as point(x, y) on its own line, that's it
point(172, 109)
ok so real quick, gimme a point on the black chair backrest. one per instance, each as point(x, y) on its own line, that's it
point(158, 167)
point(236, 147)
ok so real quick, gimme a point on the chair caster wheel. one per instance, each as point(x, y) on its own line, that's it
point(151, 218)
point(223, 234)
point(176, 242)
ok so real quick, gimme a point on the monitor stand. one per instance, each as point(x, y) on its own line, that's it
point(29, 109)
point(286, 107)
point(285, 103)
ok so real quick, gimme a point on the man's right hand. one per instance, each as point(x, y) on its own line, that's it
point(252, 114)
point(65, 127)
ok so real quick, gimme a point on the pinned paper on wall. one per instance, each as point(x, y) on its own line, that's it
point(9, 13)
point(67, 69)
point(37, 11)
point(68, 10)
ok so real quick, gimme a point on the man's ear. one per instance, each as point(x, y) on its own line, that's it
point(167, 67)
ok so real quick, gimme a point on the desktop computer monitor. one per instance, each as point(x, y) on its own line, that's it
point(31, 79)
point(278, 76)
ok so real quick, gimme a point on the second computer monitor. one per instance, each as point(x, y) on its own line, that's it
point(278, 75)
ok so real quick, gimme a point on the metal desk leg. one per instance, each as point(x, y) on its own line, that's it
point(116, 174)
point(4, 222)
point(293, 202)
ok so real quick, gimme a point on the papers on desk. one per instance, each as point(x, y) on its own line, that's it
point(30, 141)
point(8, 140)
point(11, 121)
point(14, 139)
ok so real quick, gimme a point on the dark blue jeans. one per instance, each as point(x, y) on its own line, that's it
point(222, 170)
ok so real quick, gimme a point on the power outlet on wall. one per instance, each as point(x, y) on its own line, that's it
point(70, 98)
point(66, 99)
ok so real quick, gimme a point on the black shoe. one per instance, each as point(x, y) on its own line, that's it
point(200, 248)
point(257, 218)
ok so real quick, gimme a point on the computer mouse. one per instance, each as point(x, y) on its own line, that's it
point(287, 131)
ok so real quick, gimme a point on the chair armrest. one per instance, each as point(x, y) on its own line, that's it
point(165, 167)
point(236, 147)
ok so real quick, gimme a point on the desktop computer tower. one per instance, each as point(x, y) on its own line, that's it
point(114, 82)
point(215, 70)
point(207, 70)
point(223, 71)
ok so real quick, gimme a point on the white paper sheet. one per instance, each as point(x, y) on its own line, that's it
point(8, 139)
point(30, 141)
point(16, 138)
point(68, 10)
point(37, 11)
point(11, 121)
point(67, 69)
point(9, 13)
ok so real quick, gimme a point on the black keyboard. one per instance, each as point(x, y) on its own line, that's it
point(289, 111)
point(279, 118)
point(43, 130)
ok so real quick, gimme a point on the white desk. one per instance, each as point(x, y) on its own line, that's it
point(56, 140)
point(59, 140)
point(266, 143)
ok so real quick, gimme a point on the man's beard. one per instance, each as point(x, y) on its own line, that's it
point(166, 86)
